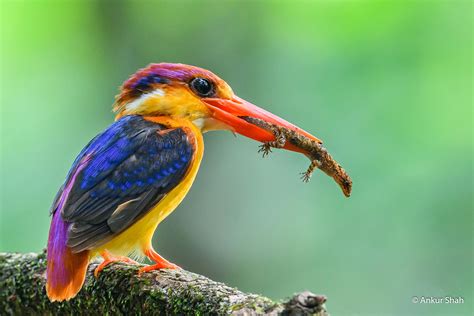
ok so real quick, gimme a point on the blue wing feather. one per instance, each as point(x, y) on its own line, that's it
point(129, 162)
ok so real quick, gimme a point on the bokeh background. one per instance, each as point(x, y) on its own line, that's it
point(387, 85)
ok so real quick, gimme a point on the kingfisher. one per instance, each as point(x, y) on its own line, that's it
point(132, 175)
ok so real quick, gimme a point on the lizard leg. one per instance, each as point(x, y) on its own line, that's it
point(306, 176)
point(279, 142)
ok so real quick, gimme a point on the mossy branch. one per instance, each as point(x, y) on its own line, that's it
point(119, 291)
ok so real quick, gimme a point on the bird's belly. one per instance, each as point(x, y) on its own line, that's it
point(135, 239)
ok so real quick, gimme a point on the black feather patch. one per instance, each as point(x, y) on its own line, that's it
point(145, 84)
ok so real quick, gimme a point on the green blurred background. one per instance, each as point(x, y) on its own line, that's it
point(387, 86)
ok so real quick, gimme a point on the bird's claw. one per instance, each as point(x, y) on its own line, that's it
point(160, 262)
point(158, 266)
point(108, 259)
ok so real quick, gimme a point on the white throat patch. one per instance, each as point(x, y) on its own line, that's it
point(136, 104)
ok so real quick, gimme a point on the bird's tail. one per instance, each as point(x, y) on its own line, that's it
point(66, 270)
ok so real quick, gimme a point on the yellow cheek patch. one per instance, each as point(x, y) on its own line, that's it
point(169, 101)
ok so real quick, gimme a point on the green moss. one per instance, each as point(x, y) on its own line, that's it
point(118, 291)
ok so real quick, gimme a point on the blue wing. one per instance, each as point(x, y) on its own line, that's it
point(119, 176)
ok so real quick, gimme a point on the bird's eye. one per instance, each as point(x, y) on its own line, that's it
point(202, 87)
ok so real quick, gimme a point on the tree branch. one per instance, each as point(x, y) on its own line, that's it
point(119, 291)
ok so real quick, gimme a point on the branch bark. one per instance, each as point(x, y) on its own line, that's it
point(118, 291)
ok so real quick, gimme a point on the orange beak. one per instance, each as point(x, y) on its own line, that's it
point(231, 111)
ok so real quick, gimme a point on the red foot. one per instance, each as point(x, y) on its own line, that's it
point(108, 259)
point(161, 263)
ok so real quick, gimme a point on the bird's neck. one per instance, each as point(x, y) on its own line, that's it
point(174, 122)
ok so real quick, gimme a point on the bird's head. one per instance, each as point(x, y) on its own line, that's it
point(198, 95)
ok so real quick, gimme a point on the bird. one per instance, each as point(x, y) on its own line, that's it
point(133, 174)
